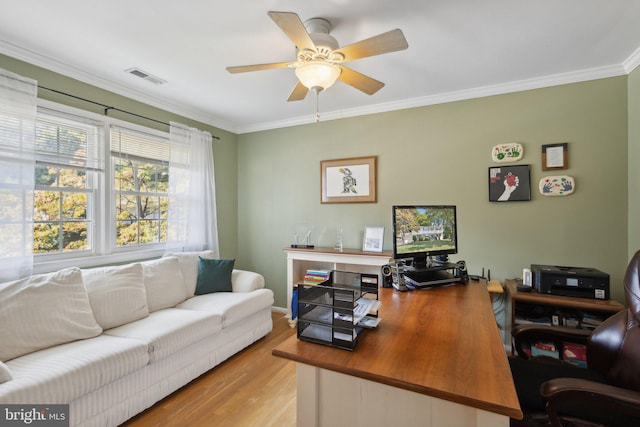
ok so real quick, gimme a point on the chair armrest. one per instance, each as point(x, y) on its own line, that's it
point(246, 281)
point(610, 399)
point(530, 333)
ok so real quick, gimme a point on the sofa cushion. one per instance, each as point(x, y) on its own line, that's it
point(214, 275)
point(164, 283)
point(232, 306)
point(189, 267)
point(116, 294)
point(66, 372)
point(5, 373)
point(44, 310)
point(170, 330)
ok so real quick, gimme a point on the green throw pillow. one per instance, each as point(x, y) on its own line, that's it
point(214, 275)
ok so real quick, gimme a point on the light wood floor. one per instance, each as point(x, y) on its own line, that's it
point(253, 388)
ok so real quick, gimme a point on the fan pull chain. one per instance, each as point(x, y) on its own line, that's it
point(317, 106)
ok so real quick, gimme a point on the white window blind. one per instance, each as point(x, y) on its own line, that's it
point(69, 141)
point(136, 145)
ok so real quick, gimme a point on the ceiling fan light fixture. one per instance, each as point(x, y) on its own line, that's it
point(317, 75)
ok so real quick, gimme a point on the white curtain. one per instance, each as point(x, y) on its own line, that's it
point(192, 222)
point(17, 171)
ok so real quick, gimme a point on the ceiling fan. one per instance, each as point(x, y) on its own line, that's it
point(319, 59)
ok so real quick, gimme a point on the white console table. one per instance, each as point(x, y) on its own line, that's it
point(299, 260)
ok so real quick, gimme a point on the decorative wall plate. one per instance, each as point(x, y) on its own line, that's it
point(510, 152)
point(560, 185)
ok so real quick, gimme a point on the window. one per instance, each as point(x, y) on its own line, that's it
point(67, 165)
point(101, 189)
point(81, 189)
point(141, 182)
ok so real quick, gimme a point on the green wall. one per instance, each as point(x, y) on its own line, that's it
point(224, 150)
point(634, 155)
point(440, 154)
point(269, 181)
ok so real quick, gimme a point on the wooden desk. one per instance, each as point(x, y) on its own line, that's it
point(435, 359)
point(301, 259)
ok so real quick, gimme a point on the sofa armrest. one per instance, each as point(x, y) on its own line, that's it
point(246, 281)
point(5, 373)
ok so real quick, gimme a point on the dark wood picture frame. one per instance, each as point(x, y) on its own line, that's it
point(555, 156)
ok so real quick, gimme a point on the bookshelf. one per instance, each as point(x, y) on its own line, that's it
point(549, 304)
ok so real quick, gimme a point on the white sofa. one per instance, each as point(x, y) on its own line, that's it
point(112, 341)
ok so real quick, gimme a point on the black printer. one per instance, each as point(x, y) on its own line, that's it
point(570, 281)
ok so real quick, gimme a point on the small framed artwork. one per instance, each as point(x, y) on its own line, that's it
point(350, 180)
point(373, 238)
point(555, 156)
point(510, 183)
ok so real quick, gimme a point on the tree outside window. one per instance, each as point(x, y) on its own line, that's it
point(141, 201)
point(63, 194)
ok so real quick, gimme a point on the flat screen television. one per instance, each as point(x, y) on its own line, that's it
point(424, 231)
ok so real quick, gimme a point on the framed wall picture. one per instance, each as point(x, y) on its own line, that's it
point(348, 180)
point(555, 156)
point(510, 183)
point(373, 238)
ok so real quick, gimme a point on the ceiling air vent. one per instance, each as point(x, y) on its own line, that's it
point(144, 75)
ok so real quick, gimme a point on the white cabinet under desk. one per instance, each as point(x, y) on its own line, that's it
point(299, 260)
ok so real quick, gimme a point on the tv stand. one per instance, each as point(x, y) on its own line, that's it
point(433, 276)
point(433, 267)
point(426, 262)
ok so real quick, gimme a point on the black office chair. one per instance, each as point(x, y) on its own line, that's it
point(556, 393)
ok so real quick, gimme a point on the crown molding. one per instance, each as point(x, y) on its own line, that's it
point(480, 92)
point(632, 62)
point(499, 89)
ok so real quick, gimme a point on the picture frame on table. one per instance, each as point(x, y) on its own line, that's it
point(373, 239)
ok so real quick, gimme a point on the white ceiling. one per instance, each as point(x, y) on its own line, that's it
point(458, 49)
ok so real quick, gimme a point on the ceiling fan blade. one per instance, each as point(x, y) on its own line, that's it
point(257, 67)
point(360, 81)
point(390, 41)
point(299, 92)
point(293, 27)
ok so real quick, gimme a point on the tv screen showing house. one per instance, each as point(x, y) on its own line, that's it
point(427, 230)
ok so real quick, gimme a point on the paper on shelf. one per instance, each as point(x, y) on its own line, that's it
point(363, 307)
point(317, 332)
point(369, 322)
point(344, 336)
